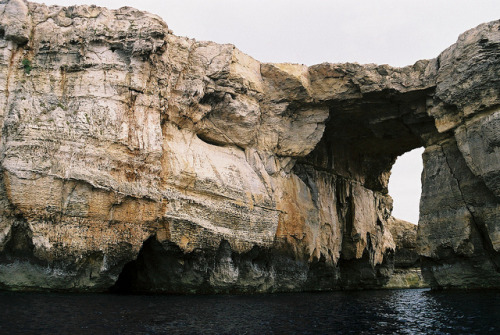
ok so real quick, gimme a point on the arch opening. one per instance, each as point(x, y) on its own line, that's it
point(405, 186)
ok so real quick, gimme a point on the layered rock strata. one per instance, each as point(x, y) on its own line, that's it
point(139, 160)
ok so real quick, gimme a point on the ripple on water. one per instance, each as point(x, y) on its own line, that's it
point(356, 312)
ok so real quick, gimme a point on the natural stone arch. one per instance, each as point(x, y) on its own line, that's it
point(364, 137)
point(272, 176)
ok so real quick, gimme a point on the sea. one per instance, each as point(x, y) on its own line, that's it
point(344, 312)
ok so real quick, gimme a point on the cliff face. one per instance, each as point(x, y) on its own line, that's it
point(137, 159)
point(459, 226)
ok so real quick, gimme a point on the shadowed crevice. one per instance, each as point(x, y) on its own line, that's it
point(19, 246)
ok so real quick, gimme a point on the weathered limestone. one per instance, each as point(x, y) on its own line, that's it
point(460, 205)
point(137, 159)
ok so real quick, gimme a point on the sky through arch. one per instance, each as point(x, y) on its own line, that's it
point(405, 185)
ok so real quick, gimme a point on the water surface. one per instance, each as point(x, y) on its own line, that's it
point(359, 312)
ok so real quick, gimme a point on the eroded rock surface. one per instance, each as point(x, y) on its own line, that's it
point(460, 206)
point(145, 161)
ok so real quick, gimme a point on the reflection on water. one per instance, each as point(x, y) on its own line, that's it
point(360, 312)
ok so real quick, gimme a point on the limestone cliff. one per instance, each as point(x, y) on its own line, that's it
point(145, 161)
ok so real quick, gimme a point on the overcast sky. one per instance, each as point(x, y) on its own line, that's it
point(395, 32)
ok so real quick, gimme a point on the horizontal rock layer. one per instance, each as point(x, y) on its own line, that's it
point(139, 160)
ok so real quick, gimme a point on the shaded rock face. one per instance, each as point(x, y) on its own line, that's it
point(460, 204)
point(405, 237)
point(143, 161)
point(407, 266)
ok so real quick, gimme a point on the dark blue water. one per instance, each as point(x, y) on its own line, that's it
point(362, 312)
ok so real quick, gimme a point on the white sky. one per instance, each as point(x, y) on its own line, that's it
point(395, 32)
point(405, 185)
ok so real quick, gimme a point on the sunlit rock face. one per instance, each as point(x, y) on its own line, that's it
point(143, 161)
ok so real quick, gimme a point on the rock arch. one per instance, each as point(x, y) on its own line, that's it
point(123, 143)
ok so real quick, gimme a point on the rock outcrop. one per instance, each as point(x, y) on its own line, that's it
point(139, 160)
point(407, 268)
